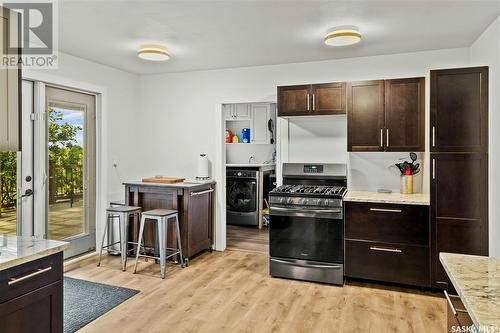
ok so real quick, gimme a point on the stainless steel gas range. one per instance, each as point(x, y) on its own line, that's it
point(306, 231)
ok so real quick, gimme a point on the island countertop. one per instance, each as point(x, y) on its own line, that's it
point(16, 250)
point(477, 281)
point(185, 184)
point(392, 198)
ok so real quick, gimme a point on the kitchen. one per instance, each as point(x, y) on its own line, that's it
point(146, 120)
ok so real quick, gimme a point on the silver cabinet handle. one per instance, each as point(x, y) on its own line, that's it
point(384, 249)
point(386, 210)
point(314, 102)
point(387, 136)
point(308, 103)
point(433, 168)
point(28, 276)
point(434, 136)
point(381, 137)
point(202, 192)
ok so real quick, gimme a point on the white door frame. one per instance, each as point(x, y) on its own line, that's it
point(220, 169)
point(40, 79)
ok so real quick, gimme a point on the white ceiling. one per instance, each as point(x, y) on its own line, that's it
point(223, 34)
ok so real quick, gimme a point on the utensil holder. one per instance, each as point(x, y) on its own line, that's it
point(406, 184)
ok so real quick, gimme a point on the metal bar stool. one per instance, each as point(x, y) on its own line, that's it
point(161, 217)
point(123, 214)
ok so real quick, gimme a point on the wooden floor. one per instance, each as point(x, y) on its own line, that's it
point(247, 238)
point(231, 291)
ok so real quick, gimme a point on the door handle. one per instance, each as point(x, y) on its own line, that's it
point(27, 193)
point(386, 210)
point(314, 102)
point(383, 249)
point(433, 168)
point(381, 137)
point(387, 137)
point(434, 136)
point(308, 103)
point(29, 276)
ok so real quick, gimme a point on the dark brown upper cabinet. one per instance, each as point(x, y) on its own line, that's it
point(386, 115)
point(459, 110)
point(405, 114)
point(365, 116)
point(310, 100)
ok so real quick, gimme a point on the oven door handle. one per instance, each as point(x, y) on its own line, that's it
point(291, 263)
point(292, 210)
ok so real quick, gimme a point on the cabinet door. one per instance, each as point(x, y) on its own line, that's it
point(228, 112)
point(328, 98)
point(9, 85)
point(405, 114)
point(242, 111)
point(200, 221)
point(459, 110)
point(365, 116)
point(294, 100)
point(261, 114)
point(459, 207)
point(40, 311)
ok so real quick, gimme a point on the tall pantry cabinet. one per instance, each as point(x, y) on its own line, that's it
point(459, 162)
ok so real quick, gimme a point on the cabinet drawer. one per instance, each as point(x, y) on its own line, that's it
point(27, 277)
point(387, 262)
point(389, 223)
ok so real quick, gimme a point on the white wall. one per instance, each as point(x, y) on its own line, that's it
point(486, 51)
point(178, 122)
point(117, 138)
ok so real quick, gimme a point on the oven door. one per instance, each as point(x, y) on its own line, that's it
point(306, 235)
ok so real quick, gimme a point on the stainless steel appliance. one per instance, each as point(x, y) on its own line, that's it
point(242, 197)
point(306, 231)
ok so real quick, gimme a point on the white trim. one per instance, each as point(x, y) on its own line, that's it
point(220, 178)
point(40, 177)
point(43, 78)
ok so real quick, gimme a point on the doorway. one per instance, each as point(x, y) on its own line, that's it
point(71, 168)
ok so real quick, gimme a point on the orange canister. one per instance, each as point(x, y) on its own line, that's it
point(229, 136)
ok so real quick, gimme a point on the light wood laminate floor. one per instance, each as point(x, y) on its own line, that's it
point(245, 238)
point(231, 291)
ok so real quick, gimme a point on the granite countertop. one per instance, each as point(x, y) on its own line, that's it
point(185, 184)
point(393, 198)
point(477, 282)
point(16, 250)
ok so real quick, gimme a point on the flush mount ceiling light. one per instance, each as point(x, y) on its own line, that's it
point(342, 36)
point(153, 53)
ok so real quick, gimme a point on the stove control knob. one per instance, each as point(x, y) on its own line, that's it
point(239, 174)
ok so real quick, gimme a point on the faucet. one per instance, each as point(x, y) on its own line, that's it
point(250, 159)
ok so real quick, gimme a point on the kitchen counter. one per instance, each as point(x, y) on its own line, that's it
point(477, 281)
point(393, 198)
point(15, 250)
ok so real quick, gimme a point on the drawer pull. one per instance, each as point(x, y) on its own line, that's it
point(202, 192)
point(384, 249)
point(452, 307)
point(386, 210)
point(28, 276)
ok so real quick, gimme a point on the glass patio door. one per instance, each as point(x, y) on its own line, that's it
point(16, 175)
point(71, 168)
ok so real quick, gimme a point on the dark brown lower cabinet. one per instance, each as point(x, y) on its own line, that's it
point(196, 214)
point(35, 303)
point(387, 243)
point(459, 208)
